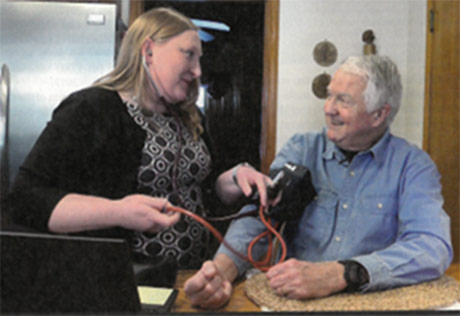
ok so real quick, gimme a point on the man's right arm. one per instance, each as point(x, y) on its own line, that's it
point(211, 286)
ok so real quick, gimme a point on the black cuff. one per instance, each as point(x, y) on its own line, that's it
point(355, 275)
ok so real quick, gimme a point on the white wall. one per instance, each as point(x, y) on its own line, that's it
point(399, 28)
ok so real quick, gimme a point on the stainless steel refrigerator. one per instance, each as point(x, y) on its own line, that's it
point(47, 50)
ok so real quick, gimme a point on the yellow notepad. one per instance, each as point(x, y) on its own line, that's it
point(154, 295)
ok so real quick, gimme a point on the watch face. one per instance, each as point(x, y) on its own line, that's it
point(325, 53)
point(354, 274)
point(319, 85)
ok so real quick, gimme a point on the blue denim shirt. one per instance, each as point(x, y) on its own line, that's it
point(383, 209)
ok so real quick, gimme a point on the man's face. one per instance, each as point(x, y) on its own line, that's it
point(349, 125)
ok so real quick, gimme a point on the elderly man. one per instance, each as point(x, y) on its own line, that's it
point(377, 221)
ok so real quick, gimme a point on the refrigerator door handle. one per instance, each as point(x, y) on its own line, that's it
point(4, 118)
point(4, 91)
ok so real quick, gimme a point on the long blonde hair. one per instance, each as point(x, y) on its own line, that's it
point(158, 24)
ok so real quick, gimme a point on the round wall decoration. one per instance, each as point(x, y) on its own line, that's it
point(369, 47)
point(325, 53)
point(319, 85)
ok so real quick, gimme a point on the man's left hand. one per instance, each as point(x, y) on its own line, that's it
point(302, 279)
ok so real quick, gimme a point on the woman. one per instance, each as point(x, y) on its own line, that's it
point(114, 153)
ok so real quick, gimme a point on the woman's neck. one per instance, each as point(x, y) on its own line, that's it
point(151, 103)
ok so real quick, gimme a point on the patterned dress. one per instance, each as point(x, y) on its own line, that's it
point(187, 241)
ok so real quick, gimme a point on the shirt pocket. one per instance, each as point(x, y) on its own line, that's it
point(317, 224)
point(378, 220)
point(379, 205)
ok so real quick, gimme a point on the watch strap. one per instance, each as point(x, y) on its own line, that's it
point(355, 275)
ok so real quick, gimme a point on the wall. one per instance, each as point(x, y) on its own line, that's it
point(399, 28)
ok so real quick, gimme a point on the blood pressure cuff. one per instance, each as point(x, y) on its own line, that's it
point(294, 183)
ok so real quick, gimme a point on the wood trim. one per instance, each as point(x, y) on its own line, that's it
point(269, 85)
point(427, 106)
point(136, 8)
point(442, 111)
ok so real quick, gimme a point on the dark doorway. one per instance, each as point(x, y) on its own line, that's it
point(232, 67)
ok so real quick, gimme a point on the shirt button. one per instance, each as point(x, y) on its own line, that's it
point(345, 205)
point(352, 173)
point(380, 205)
point(337, 239)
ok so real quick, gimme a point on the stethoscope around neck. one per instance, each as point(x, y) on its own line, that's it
point(174, 197)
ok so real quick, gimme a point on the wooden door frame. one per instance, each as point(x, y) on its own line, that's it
point(269, 85)
point(136, 8)
point(269, 80)
point(440, 125)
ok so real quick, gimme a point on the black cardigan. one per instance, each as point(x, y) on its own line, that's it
point(91, 146)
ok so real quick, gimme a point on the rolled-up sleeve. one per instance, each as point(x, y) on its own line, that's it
point(239, 235)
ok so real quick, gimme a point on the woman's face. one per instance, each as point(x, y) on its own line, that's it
point(175, 63)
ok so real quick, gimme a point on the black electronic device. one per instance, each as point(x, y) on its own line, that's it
point(297, 191)
point(56, 274)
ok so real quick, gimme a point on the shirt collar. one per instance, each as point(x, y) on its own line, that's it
point(380, 147)
point(330, 148)
point(377, 150)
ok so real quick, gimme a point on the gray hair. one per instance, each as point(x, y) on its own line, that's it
point(383, 81)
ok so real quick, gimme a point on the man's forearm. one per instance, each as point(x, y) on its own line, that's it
point(226, 267)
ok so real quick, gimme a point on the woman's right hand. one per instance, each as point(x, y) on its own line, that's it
point(145, 213)
point(77, 212)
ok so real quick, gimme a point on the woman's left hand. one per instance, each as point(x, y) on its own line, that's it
point(243, 179)
point(248, 178)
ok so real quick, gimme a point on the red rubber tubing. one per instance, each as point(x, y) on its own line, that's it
point(262, 265)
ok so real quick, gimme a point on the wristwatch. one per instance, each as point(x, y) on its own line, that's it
point(355, 275)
